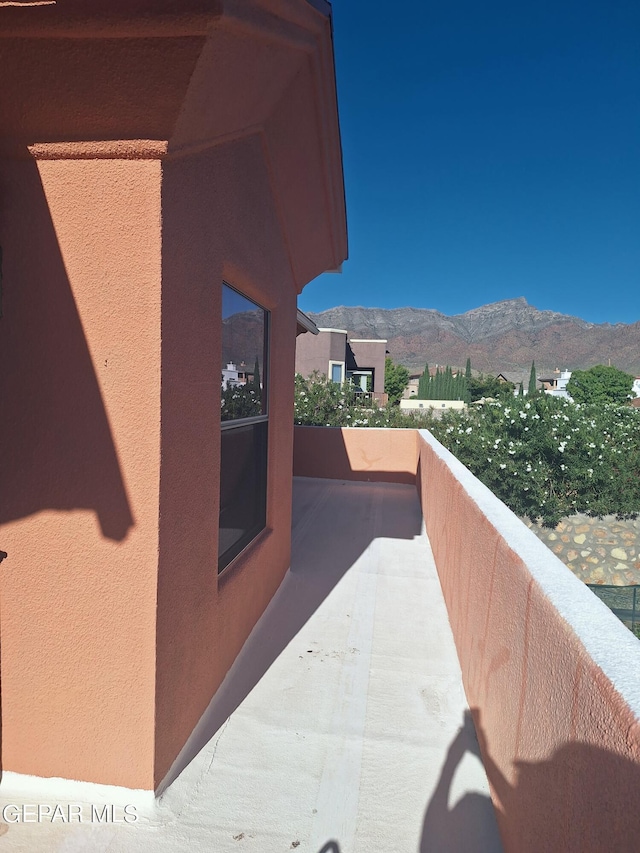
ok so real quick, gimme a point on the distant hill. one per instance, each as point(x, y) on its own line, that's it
point(503, 337)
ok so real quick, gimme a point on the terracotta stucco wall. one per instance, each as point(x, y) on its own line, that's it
point(219, 224)
point(378, 455)
point(549, 672)
point(80, 348)
point(175, 149)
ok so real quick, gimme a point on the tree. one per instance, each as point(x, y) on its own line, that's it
point(443, 385)
point(256, 375)
point(396, 378)
point(467, 370)
point(533, 382)
point(489, 386)
point(600, 384)
point(423, 384)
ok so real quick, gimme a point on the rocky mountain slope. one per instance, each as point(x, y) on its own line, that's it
point(503, 337)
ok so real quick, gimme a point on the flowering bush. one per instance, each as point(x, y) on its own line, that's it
point(544, 456)
point(547, 458)
point(240, 401)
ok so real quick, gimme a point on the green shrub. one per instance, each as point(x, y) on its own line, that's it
point(600, 384)
point(321, 403)
point(547, 458)
point(543, 456)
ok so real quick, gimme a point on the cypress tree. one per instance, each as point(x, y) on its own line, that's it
point(422, 383)
point(467, 371)
point(533, 386)
point(448, 388)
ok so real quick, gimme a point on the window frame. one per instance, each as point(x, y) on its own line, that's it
point(341, 365)
point(227, 557)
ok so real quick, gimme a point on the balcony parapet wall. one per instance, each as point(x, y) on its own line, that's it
point(550, 674)
point(369, 454)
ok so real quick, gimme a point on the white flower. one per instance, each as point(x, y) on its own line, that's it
point(502, 465)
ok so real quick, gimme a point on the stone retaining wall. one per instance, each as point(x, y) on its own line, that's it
point(597, 550)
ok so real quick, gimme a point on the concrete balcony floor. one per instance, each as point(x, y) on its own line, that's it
point(341, 727)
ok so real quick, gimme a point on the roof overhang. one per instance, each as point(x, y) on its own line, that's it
point(158, 78)
point(306, 324)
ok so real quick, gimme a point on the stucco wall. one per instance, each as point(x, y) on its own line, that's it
point(211, 152)
point(371, 354)
point(313, 352)
point(80, 385)
point(427, 405)
point(208, 199)
point(549, 672)
point(377, 455)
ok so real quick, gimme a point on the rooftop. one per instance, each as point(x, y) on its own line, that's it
point(341, 727)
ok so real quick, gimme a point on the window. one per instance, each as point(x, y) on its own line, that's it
point(244, 424)
point(336, 369)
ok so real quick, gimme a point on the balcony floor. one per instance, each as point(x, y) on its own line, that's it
point(338, 730)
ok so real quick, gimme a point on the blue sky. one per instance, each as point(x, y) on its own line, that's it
point(491, 150)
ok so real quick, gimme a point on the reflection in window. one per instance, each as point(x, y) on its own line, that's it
point(243, 357)
point(244, 416)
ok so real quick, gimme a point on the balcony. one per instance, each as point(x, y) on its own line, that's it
point(424, 652)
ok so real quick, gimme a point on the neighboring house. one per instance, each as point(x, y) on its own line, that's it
point(171, 178)
point(234, 375)
point(412, 386)
point(556, 385)
point(341, 358)
point(636, 387)
point(516, 377)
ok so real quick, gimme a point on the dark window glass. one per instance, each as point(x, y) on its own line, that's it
point(244, 417)
point(243, 488)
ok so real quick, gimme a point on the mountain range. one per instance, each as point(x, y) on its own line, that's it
point(503, 337)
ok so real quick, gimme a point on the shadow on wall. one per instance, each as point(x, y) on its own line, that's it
point(564, 803)
point(322, 452)
point(330, 847)
point(326, 542)
point(58, 451)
